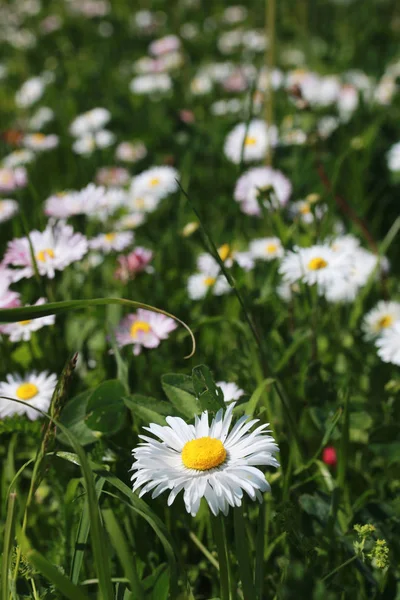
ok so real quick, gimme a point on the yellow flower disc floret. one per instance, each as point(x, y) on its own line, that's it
point(27, 391)
point(385, 321)
point(139, 326)
point(203, 454)
point(43, 255)
point(317, 263)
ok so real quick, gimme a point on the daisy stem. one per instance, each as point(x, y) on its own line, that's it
point(270, 18)
point(268, 372)
point(203, 549)
point(260, 540)
point(243, 554)
point(219, 533)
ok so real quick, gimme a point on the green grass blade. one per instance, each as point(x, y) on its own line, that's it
point(11, 315)
point(82, 536)
point(125, 556)
point(7, 547)
point(243, 554)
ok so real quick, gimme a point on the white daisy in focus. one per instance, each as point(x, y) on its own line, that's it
point(22, 330)
point(230, 390)
point(383, 316)
point(89, 122)
point(388, 344)
point(254, 139)
point(116, 241)
point(266, 248)
point(8, 208)
point(18, 158)
point(40, 141)
point(34, 389)
point(393, 158)
point(143, 329)
point(317, 264)
point(54, 249)
point(205, 460)
point(157, 182)
point(253, 182)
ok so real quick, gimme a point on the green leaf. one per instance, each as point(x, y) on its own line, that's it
point(7, 545)
point(179, 390)
point(161, 588)
point(148, 409)
point(105, 410)
point(250, 407)
point(210, 396)
point(73, 417)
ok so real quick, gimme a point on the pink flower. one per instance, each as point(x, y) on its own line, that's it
point(11, 179)
point(329, 456)
point(54, 249)
point(143, 329)
point(8, 298)
point(169, 43)
point(187, 116)
point(134, 263)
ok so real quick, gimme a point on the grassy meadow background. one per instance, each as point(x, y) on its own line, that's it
point(70, 525)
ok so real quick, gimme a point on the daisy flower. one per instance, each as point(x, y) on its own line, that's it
point(130, 221)
point(157, 182)
point(91, 200)
point(255, 141)
point(393, 158)
point(88, 143)
point(112, 176)
point(144, 329)
point(230, 390)
point(34, 389)
point(151, 83)
point(266, 248)
point(12, 179)
point(8, 208)
point(21, 330)
point(54, 249)
point(89, 122)
point(200, 284)
point(168, 43)
point(252, 183)
point(40, 118)
point(8, 298)
point(302, 209)
point(315, 265)
point(205, 461)
point(383, 316)
point(130, 152)
point(18, 158)
point(132, 264)
point(40, 141)
point(30, 92)
point(115, 241)
point(207, 263)
point(388, 344)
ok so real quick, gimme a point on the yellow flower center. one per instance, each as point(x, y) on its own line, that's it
point(25, 322)
point(140, 203)
point(203, 454)
point(110, 237)
point(250, 141)
point(38, 137)
point(224, 252)
point(155, 181)
point(317, 263)
point(385, 321)
point(209, 281)
point(27, 391)
point(305, 209)
point(139, 326)
point(43, 255)
point(271, 248)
